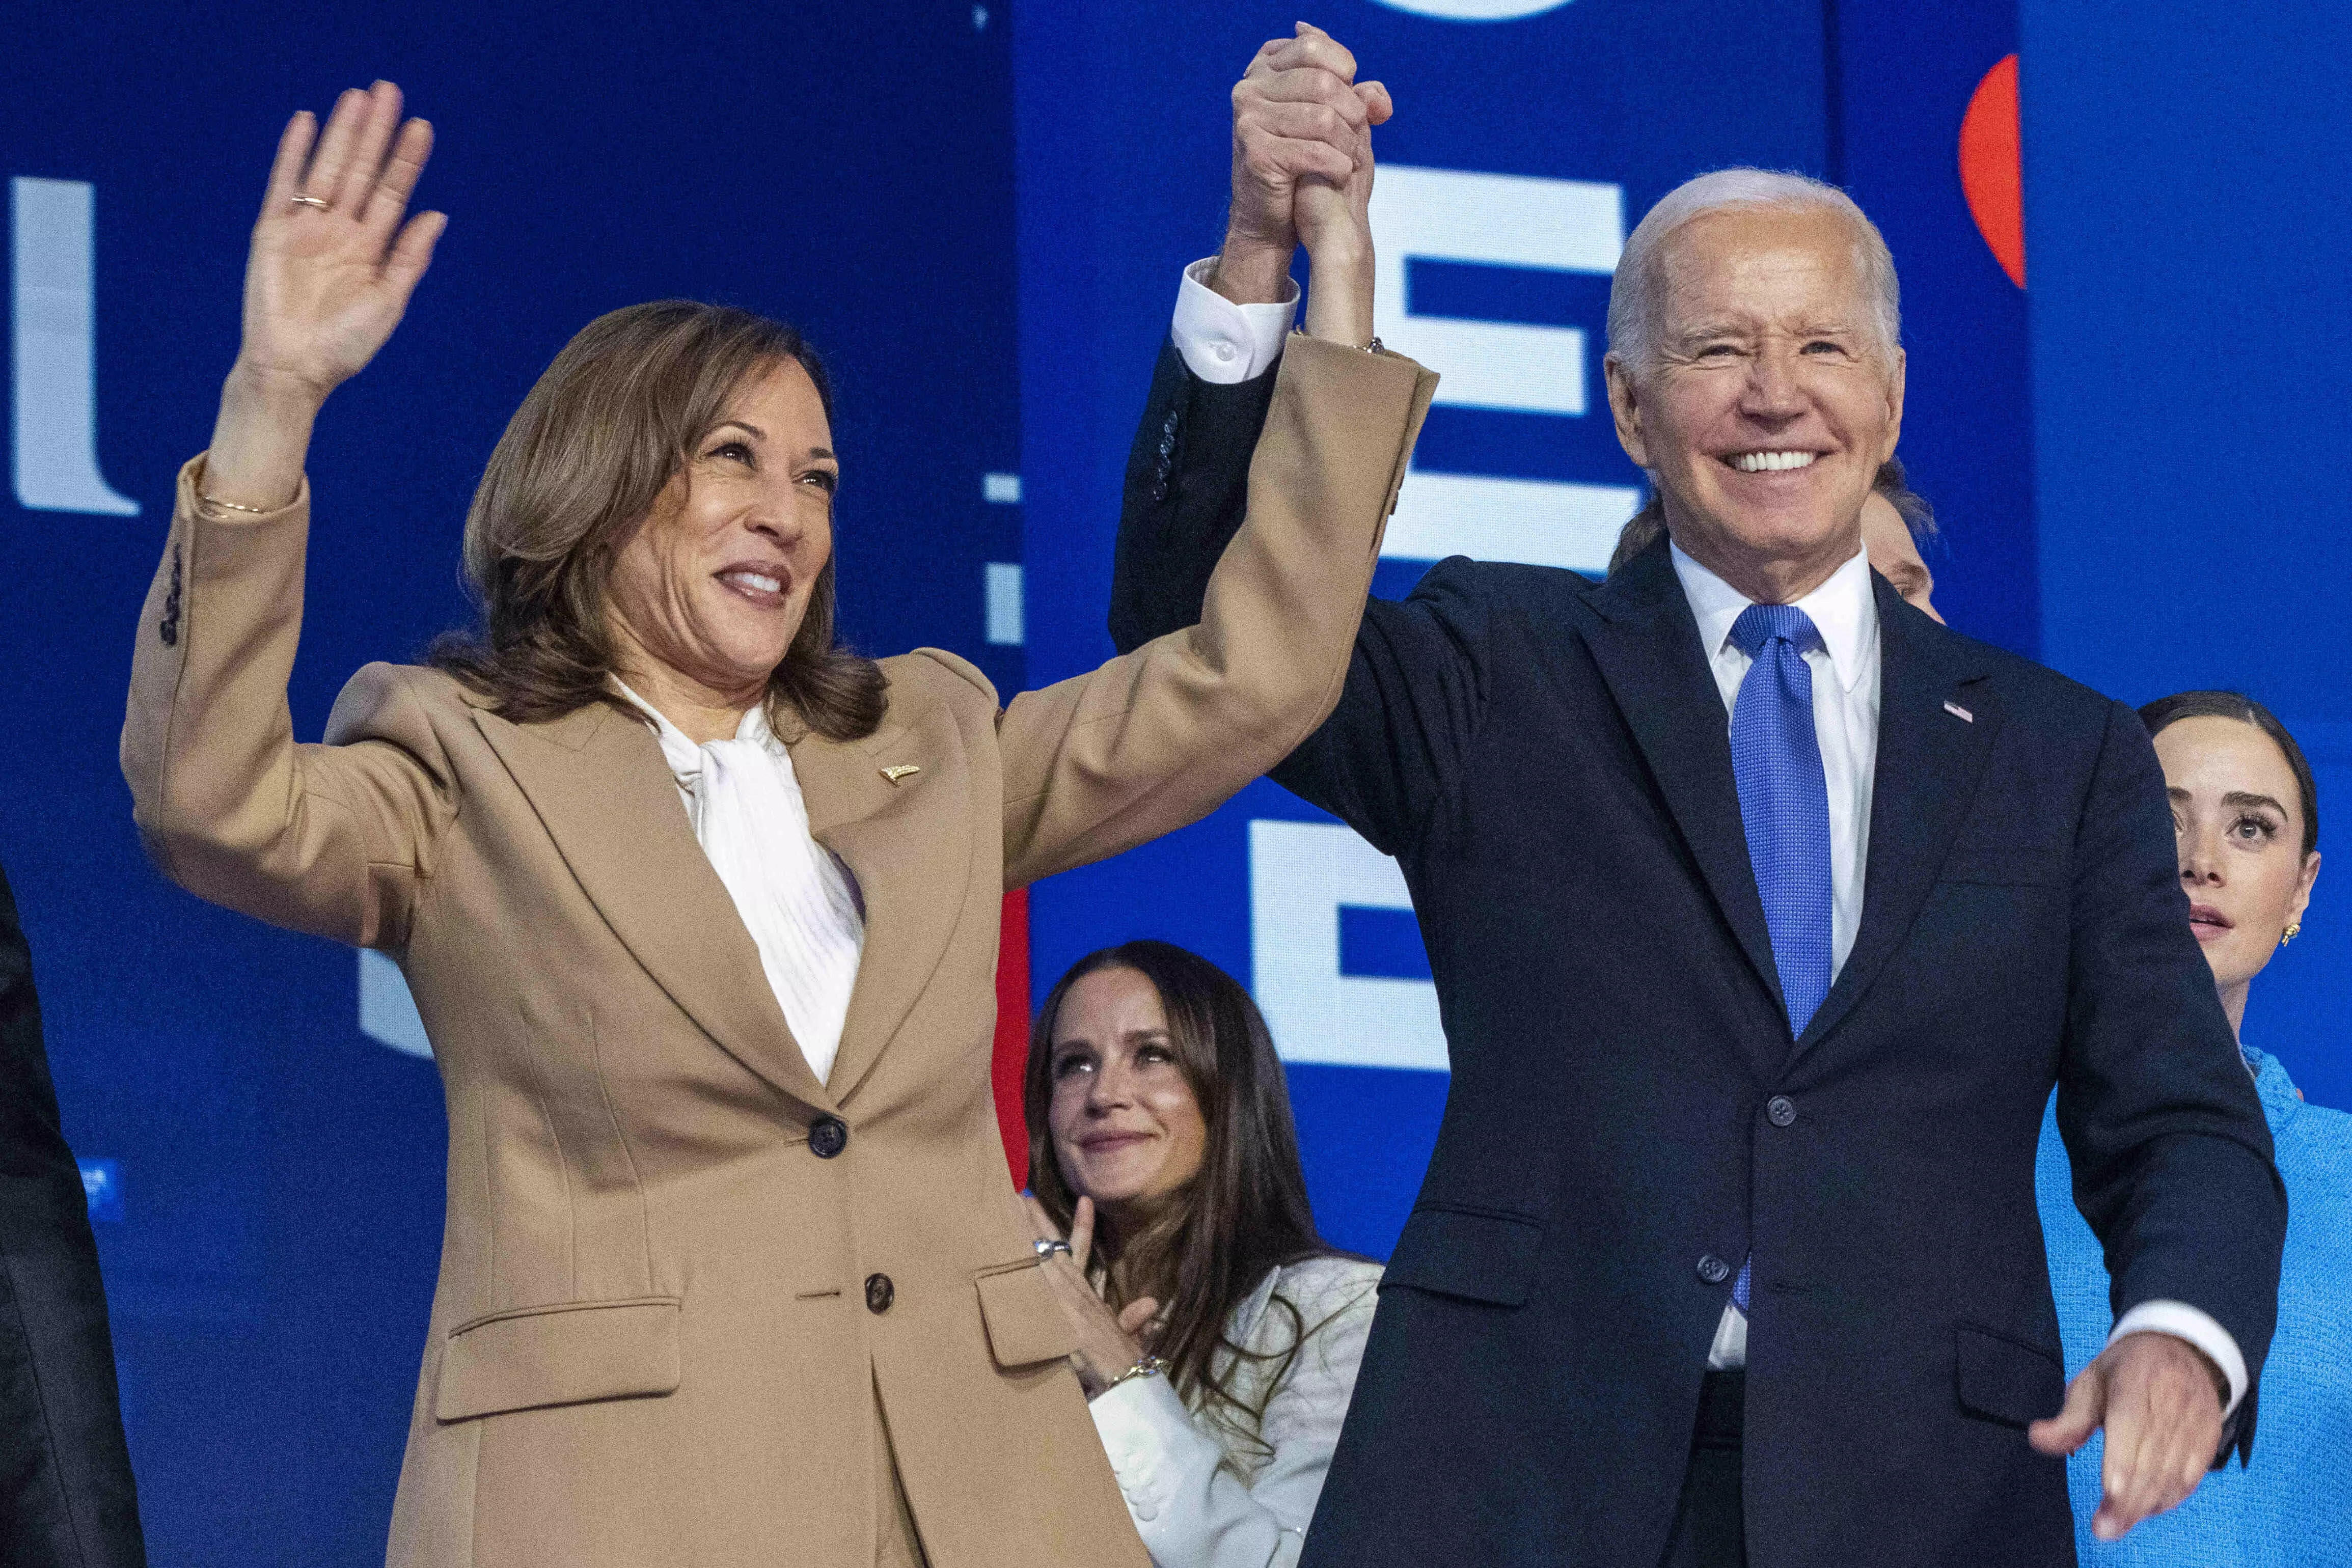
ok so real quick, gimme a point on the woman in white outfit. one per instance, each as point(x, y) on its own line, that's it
point(1219, 1335)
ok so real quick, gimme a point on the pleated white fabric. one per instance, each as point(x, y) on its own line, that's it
point(796, 897)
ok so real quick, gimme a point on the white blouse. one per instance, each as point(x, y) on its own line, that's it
point(1205, 1491)
point(796, 898)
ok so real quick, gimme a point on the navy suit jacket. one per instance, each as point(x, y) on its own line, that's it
point(1548, 760)
point(65, 1495)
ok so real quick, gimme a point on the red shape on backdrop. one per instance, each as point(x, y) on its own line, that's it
point(1011, 1054)
point(1991, 170)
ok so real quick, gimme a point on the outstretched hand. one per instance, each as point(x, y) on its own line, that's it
point(327, 278)
point(2160, 1400)
point(332, 265)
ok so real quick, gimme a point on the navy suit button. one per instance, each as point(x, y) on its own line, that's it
point(1781, 1109)
point(879, 1292)
point(828, 1135)
point(1714, 1270)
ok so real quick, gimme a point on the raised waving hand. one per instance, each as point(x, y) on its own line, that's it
point(329, 275)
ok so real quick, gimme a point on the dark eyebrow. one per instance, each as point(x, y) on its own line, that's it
point(754, 431)
point(2238, 799)
point(823, 452)
point(2242, 798)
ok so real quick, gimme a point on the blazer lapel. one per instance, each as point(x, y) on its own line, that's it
point(1929, 760)
point(600, 786)
point(905, 841)
point(1647, 647)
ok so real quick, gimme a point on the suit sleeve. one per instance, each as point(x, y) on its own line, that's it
point(1160, 736)
point(66, 1491)
point(334, 840)
point(1415, 690)
point(2172, 1157)
point(1187, 492)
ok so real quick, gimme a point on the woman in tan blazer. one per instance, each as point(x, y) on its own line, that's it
point(710, 1293)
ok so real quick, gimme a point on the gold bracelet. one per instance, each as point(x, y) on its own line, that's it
point(205, 500)
point(1149, 1366)
point(1374, 347)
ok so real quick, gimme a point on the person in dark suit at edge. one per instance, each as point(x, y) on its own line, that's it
point(66, 1500)
point(1764, 914)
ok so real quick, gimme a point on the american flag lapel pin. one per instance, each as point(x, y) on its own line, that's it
point(1957, 712)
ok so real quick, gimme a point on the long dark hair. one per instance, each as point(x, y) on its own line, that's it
point(1244, 1215)
point(604, 430)
point(2167, 711)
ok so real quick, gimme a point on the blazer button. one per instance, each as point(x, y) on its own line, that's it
point(828, 1135)
point(1781, 1109)
point(1712, 1268)
point(879, 1292)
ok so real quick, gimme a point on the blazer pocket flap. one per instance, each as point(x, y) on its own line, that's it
point(566, 1354)
point(2004, 1381)
point(1478, 1255)
point(1025, 1324)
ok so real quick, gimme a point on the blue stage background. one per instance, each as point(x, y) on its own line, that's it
point(2137, 492)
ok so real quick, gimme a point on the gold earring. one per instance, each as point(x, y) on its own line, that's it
point(2292, 932)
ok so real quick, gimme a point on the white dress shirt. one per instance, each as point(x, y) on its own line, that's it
point(1205, 1489)
point(1223, 343)
point(797, 900)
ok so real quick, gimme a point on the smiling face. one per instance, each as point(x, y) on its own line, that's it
point(2237, 815)
point(1772, 399)
point(709, 591)
point(1127, 1127)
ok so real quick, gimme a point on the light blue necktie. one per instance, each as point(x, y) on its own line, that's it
point(1784, 804)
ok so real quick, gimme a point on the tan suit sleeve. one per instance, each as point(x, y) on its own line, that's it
point(1160, 736)
point(334, 840)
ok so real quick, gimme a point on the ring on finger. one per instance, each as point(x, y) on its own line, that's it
point(318, 201)
point(1049, 1245)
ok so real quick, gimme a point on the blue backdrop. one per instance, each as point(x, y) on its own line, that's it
point(2137, 492)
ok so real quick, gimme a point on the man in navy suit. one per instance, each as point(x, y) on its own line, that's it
point(1764, 913)
point(67, 1499)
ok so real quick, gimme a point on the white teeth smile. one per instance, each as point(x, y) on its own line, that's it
point(1770, 462)
point(753, 580)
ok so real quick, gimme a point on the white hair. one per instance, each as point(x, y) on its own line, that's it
point(1635, 310)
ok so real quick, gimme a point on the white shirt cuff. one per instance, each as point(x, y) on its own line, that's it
point(2182, 1321)
point(1149, 1438)
point(1222, 342)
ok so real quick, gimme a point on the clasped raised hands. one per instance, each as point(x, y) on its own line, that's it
point(1302, 142)
point(1303, 176)
point(332, 264)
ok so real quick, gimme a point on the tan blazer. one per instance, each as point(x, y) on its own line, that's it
point(670, 1328)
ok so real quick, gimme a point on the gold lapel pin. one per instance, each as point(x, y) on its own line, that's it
point(903, 770)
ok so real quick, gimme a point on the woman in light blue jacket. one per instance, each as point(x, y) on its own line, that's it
point(1219, 1336)
point(2247, 814)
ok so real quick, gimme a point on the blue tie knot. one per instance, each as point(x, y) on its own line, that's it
point(1759, 624)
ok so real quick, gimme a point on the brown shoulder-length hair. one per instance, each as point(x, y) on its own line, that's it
point(1244, 1215)
point(609, 424)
